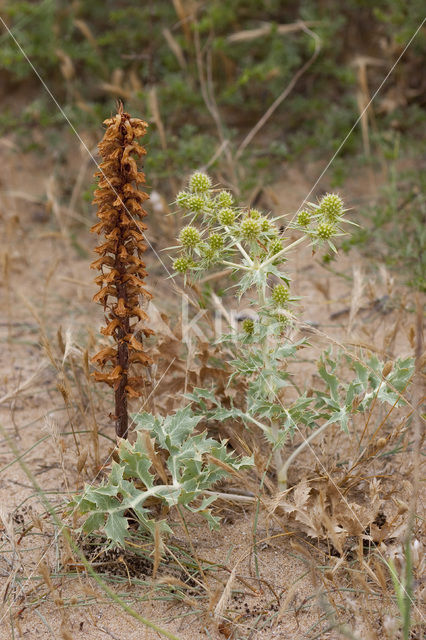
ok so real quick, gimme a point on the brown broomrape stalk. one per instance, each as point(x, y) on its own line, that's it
point(121, 282)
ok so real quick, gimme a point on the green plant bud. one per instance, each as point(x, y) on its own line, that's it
point(248, 326)
point(208, 253)
point(265, 224)
point(280, 295)
point(282, 319)
point(224, 199)
point(227, 216)
point(325, 230)
point(181, 265)
point(216, 241)
point(199, 182)
point(182, 199)
point(196, 203)
point(303, 218)
point(189, 237)
point(255, 214)
point(250, 228)
point(331, 206)
point(275, 246)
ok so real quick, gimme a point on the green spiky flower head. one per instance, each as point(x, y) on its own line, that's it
point(227, 216)
point(303, 218)
point(199, 182)
point(265, 224)
point(275, 246)
point(331, 206)
point(325, 230)
point(255, 214)
point(248, 326)
point(189, 237)
point(280, 295)
point(216, 242)
point(196, 203)
point(250, 228)
point(182, 264)
point(182, 199)
point(224, 199)
point(208, 253)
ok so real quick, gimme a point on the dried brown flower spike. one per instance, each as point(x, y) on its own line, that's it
point(121, 282)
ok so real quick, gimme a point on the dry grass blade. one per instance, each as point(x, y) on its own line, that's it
point(260, 32)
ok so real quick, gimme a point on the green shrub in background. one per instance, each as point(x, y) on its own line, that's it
point(90, 52)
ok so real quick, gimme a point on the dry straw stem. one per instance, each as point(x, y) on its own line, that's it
point(121, 269)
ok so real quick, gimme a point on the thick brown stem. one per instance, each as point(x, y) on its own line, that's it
point(121, 415)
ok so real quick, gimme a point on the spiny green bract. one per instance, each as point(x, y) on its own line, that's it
point(280, 295)
point(250, 228)
point(303, 218)
point(325, 230)
point(216, 241)
point(226, 216)
point(331, 206)
point(199, 182)
point(189, 237)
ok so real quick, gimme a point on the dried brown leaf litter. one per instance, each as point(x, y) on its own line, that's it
point(122, 271)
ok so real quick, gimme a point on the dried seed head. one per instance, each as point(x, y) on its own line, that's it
point(122, 270)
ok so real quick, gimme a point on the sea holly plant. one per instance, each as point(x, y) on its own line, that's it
point(169, 464)
point(220, 235)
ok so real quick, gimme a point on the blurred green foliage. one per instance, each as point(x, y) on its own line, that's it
point(80, 48)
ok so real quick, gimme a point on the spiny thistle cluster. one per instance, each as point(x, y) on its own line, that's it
point(219, 233)
point(321, 222)
point(216, 225)
point(121, 268)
